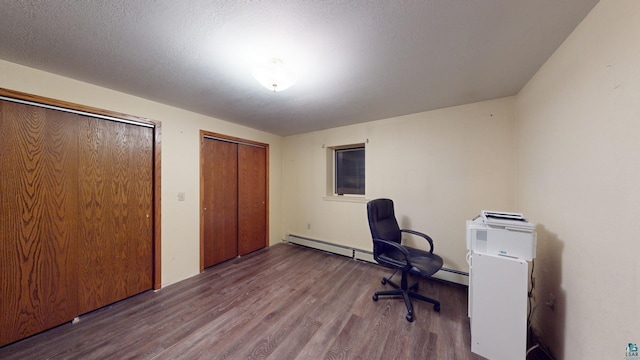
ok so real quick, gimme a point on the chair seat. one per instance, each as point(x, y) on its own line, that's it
point(424, 263)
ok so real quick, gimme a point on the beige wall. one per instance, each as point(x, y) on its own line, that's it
point(180, 158)
point(440, 167)
point(578, 178)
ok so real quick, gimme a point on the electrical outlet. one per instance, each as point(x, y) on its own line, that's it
point(180, 196)
point(309, 226)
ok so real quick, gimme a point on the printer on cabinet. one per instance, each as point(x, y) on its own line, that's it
point(502, 233)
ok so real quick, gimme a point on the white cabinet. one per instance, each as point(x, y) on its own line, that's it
point(498, 306)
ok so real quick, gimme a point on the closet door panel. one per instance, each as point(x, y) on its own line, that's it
point(95, 219)
point(141, 265)
point(252, 198)
point(115, 187)
point(131, 188)
point(220, 201)
point(38, 217)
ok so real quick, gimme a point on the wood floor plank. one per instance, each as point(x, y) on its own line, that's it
point(269, 333)
point(340, 293)
point(291, 346)
point(284, 302)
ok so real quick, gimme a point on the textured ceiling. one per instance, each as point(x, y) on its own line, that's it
point(356, 60)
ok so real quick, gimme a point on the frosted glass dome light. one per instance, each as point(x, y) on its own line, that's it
point(274, 75)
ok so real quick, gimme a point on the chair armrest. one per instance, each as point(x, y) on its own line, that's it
point(403, 266)
point(425, 236)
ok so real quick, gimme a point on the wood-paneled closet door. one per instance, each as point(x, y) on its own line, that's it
point(220, 203)
point(252, 199)
point(234, 199)
point(75, 216)
point(115, 199)
point(38, 219)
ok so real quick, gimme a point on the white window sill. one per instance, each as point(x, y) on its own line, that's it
point(346, 198)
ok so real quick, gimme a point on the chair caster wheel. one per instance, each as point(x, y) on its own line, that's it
point(375, 297)
point(383, 281)
point(436, 307)
point(410, 317)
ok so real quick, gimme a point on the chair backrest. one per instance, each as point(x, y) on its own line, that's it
point(383, 223)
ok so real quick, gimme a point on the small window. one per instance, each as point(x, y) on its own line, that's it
point(349, 170)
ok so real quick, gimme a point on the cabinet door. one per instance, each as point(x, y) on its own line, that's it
point(38, 219)
point(499, 307)
point(115, 204)
point(220, 201)
point(252, 198)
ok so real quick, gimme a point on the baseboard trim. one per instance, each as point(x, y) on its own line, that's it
point(450, 275)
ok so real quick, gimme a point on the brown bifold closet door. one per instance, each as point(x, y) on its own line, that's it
point(220, 200)
point(115, 203)
point(38, 219)
point(75, 215)
point(252, 198)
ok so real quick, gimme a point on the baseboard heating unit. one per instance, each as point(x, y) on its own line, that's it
point(454, 276)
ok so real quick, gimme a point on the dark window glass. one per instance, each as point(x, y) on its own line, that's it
point(350, 171)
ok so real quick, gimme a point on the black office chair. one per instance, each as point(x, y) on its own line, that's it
point(389, 251)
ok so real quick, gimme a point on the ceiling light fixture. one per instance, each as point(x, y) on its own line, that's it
point(274, 75)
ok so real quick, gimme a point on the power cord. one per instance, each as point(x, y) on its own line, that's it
point(532, 284)
point(532, 308)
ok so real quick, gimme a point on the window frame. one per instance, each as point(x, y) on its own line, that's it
point(332, 173)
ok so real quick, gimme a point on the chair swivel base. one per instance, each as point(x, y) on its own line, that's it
point(407, 293)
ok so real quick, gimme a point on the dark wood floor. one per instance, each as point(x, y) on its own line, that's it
point(285, 302)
